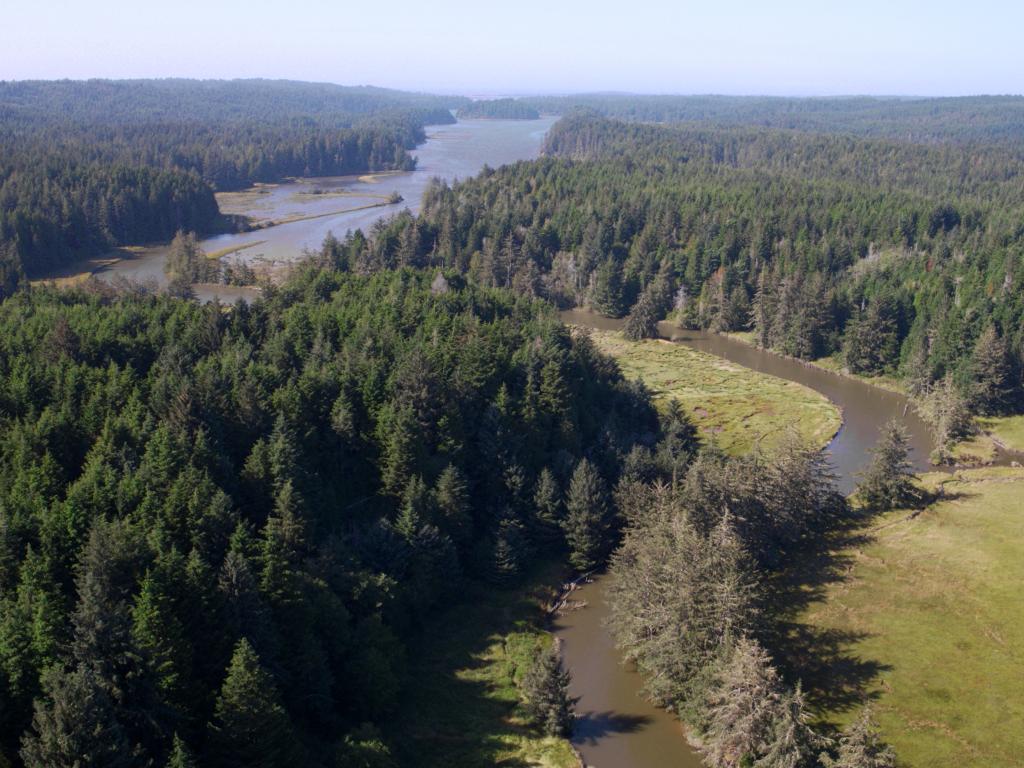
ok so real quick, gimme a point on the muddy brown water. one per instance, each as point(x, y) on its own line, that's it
point(616, 727)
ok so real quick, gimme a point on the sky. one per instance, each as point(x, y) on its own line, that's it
point(488, 47)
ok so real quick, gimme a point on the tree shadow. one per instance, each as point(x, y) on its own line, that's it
point(591, 727)
point(459, 705)
point(834, 677)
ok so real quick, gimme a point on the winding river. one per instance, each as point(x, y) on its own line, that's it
point(617, 728)
point(314, 207)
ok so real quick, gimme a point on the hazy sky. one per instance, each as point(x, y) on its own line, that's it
point(802, 47)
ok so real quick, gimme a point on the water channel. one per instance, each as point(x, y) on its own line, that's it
point(617, 728)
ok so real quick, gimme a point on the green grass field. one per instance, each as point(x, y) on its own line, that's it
point(931, 606)
point(736, 407)
point(463, 709)
point(1008, 430)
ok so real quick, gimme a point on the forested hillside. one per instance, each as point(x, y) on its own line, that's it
point(217, 528)
point(904, 258)
point(920, 120)
point(89, 165)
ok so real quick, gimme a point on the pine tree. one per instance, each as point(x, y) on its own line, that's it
point(860, 746)
point(181, 756)
point(547, 508)
point(753, 720)
point(588, 517)
point(284, 539)
point(545, 689)
point(510, 551)
point(642, 322)
point(250, 728)
point(415, 512)
point(991, 389)
point(606, 294)
point(765, 309)
point(157, 631)
point(75, 725)
point(888, 482)
point(451, 498)
point(946, 411)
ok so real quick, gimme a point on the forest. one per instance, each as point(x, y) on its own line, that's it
point(86, 166)
point(904, 259)
point(218, 528)
point(498, 109)
point(223, 529)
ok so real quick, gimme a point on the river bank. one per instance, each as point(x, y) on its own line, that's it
point(618, 728)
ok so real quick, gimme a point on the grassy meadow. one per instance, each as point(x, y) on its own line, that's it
point(1008, 430)
point(464, 711)
point(924, 615)
point(734, 406)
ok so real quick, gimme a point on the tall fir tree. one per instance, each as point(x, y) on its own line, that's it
point(861, 746)
point(588, 517)
point(888, 482)
point(250, 728)
point(545, 689)
point(991, 389)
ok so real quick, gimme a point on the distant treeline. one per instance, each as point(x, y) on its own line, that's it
point(906, 259)
point(88, 165)
point(921, 120)
point(499, 109)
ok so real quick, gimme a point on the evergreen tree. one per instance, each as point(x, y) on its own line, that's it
point(888, 482)
point(158, 633)
point(860, 746)
point(753, 720)
point(415, 512)
point(181, 756)
point(588, 517)
point(451, 499)
point(642, 322)
point(547, 507)
point(250, 728)
point(75, 726)
point(284, 539)
point(545, 689)
point(946, 411)
point(510, 551)
point(991, 390)
point(606, 293)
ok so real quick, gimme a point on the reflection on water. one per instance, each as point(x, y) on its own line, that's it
point(616, 727)
point(352, 202)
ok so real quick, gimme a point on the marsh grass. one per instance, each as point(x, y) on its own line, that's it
point(733, 406)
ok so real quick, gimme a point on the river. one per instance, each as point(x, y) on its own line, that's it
point(617, 728)
point(343, 203)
